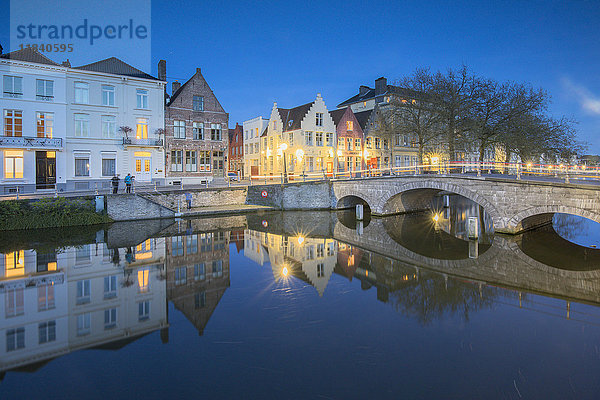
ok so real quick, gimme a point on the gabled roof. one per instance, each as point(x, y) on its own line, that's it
point(363, 118)
point(115, 66)
point(370, 94)
point(292, 117)
point(337, 115)
point(29, 54)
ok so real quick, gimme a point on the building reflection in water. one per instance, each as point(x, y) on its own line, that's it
point(88, 296)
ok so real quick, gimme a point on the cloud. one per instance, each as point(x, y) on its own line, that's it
point(588, 101)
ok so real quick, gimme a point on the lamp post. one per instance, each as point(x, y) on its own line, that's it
point(283, 148)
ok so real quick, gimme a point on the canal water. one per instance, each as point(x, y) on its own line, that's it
point(302, 306)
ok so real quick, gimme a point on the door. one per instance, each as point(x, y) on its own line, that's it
point(218, 160)
point(142, 169)
point(45, 169)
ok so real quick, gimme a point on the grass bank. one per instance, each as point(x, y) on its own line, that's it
point(49, 213)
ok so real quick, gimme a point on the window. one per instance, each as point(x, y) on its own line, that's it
point(110, 287)
point(44, 90)
point(274, 125)
point(143, 280)
point(191, 244)
point(142, 98)
point(179, 129)
point(319, 119)
point(217, 268)
point(320, 250)
point(204, 157)
point(341, 143)
point(349, 125)
point(310, 162)
point(349, 144)
point(110, 318)
point(198, 103)
point(180, 275)
point(47, 332)
point(82, 125)
point(191, 164)
point(385, 144)
point(199, 272)
point(176, 246)
point(329, 139)
point(406, 161)
point(13, 86)
point(14, 302)
point(83, 291)
point(15, 339)
point(141, 129)
point(320, 270)
point(369, 143)
point(83, 324)
point(377, 143)
point(82, 93)
point(45, 124)
point(198, 130)
point(200, 300)
point(45, 297)
point(82, 167)
point(215, 132)
point(177, 160)
point(319, 138)
point(308, 138)
point(357, 144)
point(349, 163)
point(143, 310)
point(109, 126)
point(13, 123)
point(108, 95)
point(397, 161)
point(13, 164)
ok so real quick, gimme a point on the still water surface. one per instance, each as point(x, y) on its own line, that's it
point(301, 305)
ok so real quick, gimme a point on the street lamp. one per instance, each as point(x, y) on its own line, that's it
point(283, 148)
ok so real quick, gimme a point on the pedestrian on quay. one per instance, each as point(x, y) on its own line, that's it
point(128, 180)
point(188, 198)
point(115, 183)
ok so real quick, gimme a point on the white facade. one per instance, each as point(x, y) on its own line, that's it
point(96, 147)
point(253, 128)
point(33, 107)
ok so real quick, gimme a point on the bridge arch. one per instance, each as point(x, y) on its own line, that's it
point(536, 216)
point(417, 193)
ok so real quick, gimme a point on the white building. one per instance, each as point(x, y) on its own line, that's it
point(253, 128)
point(32, 135)
point(75, 128)
point(102, 98)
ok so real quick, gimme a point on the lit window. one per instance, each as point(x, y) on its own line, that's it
point(13, 123)
point(45, 124)
point(14, 264)
point(142, 98)
point(108, 95)
point(141, 131)
point(143, 283)
point(349, 125)
point(81, 93)
point(13, 164)
point(82, 167)
point(13, 86)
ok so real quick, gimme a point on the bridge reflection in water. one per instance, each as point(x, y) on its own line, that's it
point(107, 288)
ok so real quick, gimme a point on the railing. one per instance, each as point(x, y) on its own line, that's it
point(143, 142)
point(30, 142)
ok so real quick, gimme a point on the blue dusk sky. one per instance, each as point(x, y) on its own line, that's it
point(286, 51)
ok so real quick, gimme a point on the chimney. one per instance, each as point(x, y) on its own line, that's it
point(1, 49)
point(380, 86)
point(162, 70)
point(175, 87)
point(198, 71)
point(362, 90)
point(66, 63)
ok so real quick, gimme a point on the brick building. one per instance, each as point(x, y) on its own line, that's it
point(235, 160)
point(349, 134)
point(196, 126)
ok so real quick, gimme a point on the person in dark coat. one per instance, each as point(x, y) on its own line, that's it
point(115, 183)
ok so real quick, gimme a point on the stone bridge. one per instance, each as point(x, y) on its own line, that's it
point(513, 205)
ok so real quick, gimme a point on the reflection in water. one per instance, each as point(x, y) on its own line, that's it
point(115, 289)
point(579, 230)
